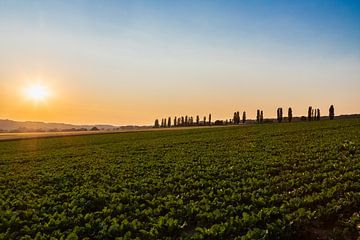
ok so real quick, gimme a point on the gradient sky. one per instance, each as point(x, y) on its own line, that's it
point(129, 62)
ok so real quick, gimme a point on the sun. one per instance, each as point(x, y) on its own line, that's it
point(37, 92)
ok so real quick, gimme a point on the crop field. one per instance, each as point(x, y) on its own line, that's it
point(267, 181)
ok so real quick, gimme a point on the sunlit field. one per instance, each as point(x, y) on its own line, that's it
point(270, 181)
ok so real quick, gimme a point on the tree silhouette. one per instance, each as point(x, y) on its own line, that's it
point(258, 116)
point(309, 113)
point(169, 122)
point(156, 125)
point(197, 120)
point(209, 119)
point(290, 114)
point(313, 114)
point(279, 115)
point(331, 112)
point(237, 117)
point(175, 121)
point(318, 114)
point(244, 117)
point(204, 120)
point(261, 116)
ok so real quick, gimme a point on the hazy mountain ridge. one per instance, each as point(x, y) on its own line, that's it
point(11, 125)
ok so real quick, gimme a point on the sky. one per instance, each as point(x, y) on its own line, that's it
point(130, 62)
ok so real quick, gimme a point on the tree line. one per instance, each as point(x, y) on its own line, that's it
point(183, 121)
point(187, 121)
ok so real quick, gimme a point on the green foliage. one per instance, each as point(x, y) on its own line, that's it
point(270, 181)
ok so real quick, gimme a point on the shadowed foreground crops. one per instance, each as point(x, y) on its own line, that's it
point(275, 181)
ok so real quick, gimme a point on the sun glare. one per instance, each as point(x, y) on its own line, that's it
point(37, 92)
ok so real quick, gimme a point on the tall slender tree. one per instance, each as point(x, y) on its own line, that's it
point(156, 125)
point(318, 114)
point(197, 120)
point(331, 112)
point(279, 115)
point(261, 116)
point(175, 121)
point(209, 119)
point(290, 114)
point(258, 116)
point(234, 118)
point(309, 113)
point(169, 122)
point(204, 120)
point(313, 116)
point(244, 117)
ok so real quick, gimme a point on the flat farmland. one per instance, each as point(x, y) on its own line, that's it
point(267, 181)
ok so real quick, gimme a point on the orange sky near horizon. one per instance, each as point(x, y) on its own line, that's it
point(88, 104)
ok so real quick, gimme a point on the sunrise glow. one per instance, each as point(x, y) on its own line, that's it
point(37, 92)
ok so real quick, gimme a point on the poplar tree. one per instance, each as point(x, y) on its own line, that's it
point(279, 115)
point(318, 114)
point(204, 120)
point(290, 114)
point(244, 117)
point(169, 122)
point(156, 125)
point(209, 119)
point(258, 116)
point(309, 113)
point(313, 114)
point(197, 120)
point(175, 121)
point(331, 112)
point(261, 116)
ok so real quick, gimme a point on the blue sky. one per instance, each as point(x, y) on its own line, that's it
point(241, 54)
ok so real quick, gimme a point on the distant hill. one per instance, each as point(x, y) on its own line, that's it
point(30, 126)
